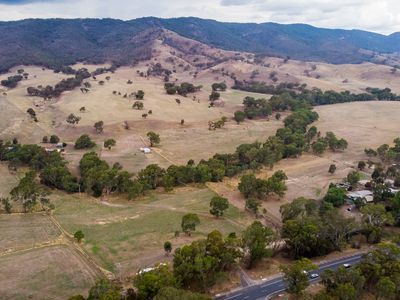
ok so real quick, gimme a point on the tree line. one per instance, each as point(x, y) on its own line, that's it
point(286, 93)
point(376, 275)
point(68, 84)
point(12, 81)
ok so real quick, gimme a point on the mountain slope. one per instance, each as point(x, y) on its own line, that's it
point(55, 42)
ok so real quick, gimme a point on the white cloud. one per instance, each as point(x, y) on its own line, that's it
point(375, 15)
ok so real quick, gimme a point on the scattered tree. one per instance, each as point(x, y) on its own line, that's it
point(73, 120)
point(79, 236)
point(109, 143)
point(167, 247)
point(138, 105)
point(214, 96)
point(54, 139)
point(99, 127)
point(218, 205)
point(239, 116)
point(84, 142)
point(353, 178)
point(139, 95)
point(253, 205)
point(361, 165)
point(189, 223)
point(154, 138)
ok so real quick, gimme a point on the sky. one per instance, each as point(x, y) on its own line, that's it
point(381, 16)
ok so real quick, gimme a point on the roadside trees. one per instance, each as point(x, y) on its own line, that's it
point(255, 239)
point(296, 275)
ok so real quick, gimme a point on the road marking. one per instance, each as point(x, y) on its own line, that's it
point(274, 293)
point(234, 296)
point(341, 262)
point(271, 282)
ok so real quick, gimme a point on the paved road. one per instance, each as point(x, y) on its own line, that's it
point(274, 286)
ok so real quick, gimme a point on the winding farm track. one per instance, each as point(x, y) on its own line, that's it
point(86, 257)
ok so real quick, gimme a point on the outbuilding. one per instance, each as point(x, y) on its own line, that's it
point(145, 150)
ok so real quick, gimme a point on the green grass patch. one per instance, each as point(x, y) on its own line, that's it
point(123, 233)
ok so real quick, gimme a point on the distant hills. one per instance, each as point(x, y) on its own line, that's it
point(57, 42)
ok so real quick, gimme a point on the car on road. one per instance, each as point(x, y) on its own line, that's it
point(347, 266)
point(314, 275)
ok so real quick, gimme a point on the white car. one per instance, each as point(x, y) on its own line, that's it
point(347, 266)
point(314, 275)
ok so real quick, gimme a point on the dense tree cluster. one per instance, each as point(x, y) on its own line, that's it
point(311, 229)
point(98, 178)
point(198, 265)
point(315, 96)
point(263, 88)
point(330, 141)
point(386, 153)
point(252, 187)
point(158, 70)
point(51, 166)
point(12, 81)
point(383, 94)
point(183, 89)
point(256, 243)
point(254, 108)
point(29, 193)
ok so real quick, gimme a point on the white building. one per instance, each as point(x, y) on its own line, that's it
point(145, 150)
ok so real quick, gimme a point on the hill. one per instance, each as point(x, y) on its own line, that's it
point(58, 42)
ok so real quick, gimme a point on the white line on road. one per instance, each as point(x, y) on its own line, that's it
point(271, 282)
point(234, 296)
point(340, 262)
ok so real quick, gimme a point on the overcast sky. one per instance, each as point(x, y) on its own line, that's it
point(374, 15)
